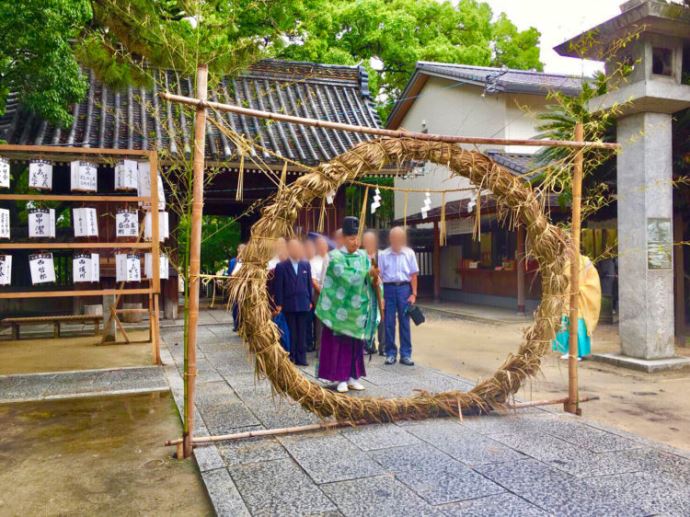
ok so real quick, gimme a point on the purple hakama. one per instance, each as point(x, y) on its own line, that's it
point(341, 357)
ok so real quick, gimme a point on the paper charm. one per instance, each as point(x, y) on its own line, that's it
point(127, 175)
point(85, 222)
point(163, 226)
point(127, 267)
point(86, 268)
point(427, 205)
point(41, 175)
point(376, 200)
point(127, 223)
point(4, 223)
point(144, 185)
point(84, 176)
point(5, 269)
point(4, 173)
point(42, 223)
point(42, 268)
point(330, 197)
point(472, 202)
point(148, 266)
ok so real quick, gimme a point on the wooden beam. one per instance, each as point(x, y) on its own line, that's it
point(77, 198)
point(37, 149)
point(399, 133)
point(60, 294)
point(74, 245)
point(437, 262)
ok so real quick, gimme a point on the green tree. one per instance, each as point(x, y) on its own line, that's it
point(36, 55)
point(398, 33)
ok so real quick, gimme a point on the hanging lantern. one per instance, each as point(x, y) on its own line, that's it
point(42, 223)
point(41, 175)
point(86, 267)
point(127, 175)
point(427, 205)
point(83, 176)
point(4, 223)
point(163, 226)
point(42, 268)
point(85, 222)
point(127, 223)
point(163, 263)
point(144, 185)
point(4, 173)
point(5, 269)
point(376, 200)
point(127, 267)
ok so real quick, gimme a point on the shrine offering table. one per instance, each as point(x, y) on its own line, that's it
point(15, 323)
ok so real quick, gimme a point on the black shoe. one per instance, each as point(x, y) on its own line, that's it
point(382, 352)
point(406, 361)
point(302, 364)
point(390, 360)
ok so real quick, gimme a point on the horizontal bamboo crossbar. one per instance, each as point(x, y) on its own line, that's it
point(74, 245)
point(59, 294)
point(399, 133)
point(77, 198)
point(39, 149)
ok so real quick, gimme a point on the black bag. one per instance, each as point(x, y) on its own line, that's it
point(416, 314)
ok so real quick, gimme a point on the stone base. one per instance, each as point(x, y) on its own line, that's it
point(645, 365)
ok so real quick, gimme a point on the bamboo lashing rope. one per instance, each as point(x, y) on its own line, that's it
point(477, 232)
point(442, 224)
point(239, 195)
point(322, 216)
point(283, 175)
point(362, 215)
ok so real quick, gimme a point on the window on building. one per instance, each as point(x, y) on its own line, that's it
point(662, 61)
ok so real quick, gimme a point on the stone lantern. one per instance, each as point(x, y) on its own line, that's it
point(648, 38)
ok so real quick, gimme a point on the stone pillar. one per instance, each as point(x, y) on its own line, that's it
point(645, 222)
point(109, 329)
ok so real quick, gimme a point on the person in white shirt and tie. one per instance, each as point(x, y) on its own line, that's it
point(399, 270)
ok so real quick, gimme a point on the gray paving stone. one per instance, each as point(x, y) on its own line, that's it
point(502, 505)
point(225, 417)
point(381, 495)
point(279, 487)
point(433, 475)
point(470, 448)
point(208, 458)
point(543, 447)
point(328, 457)
point(382, 376)
point(588, 437)
point(510, 423)
point(274, 412)
point(251, 450)
point(372, 437)
point(211, 393)
point(223, 493)
point(24, 387)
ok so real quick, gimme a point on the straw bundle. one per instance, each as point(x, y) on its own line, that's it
point(519, 203)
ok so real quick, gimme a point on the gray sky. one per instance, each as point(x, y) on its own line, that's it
point(558, 20)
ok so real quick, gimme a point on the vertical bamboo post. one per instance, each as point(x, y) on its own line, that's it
point(155, 257)
point(573, 403)
point(520, 263)
point(195, 256)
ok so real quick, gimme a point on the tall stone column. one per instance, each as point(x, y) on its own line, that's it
point(645, 234)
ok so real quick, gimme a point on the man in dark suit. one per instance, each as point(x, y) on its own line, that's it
point(293, 297)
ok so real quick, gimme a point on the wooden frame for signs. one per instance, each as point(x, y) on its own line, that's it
point(95, 155)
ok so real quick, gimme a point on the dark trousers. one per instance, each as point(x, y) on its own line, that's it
point(298, 323)
point(235, 317)
point(395, 297)
point(311, 333)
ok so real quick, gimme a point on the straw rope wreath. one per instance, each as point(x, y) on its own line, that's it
point(516, 201)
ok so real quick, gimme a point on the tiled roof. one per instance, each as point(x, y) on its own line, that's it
point(504, 79)
point(520, 164)
point(136, 118)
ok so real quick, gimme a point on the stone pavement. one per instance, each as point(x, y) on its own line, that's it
point(534, 463)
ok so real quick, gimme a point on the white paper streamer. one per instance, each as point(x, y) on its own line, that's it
point(86, 267)
point(41, 175)
point(42, 268)
point(376, 202)
point(83, 176)
point(427, 205)
point(42, 223)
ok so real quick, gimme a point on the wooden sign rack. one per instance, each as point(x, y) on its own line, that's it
point(98, 155)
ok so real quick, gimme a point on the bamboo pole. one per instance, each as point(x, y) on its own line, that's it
point(195, 256)
point(572, 405)
point(399, 133)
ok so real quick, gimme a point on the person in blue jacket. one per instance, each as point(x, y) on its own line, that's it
point(293, 292)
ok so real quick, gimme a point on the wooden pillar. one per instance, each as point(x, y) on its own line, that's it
point(195, 257)
point(679, 279)
point(437, 263)
point(573, 403)
point(520, 264)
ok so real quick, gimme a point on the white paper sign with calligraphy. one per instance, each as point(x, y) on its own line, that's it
point(86, 267)
point(42, 268)
point(85, 222)
point(5, 269)
point(144, 185)
point(42, 223)
point(127, 223)
point(4, 223)
point(148, 266)
point(127, 267)
point(41, 175)
point(127, 175)
point(163, 226)
point(84, 176)
point(4, 173)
